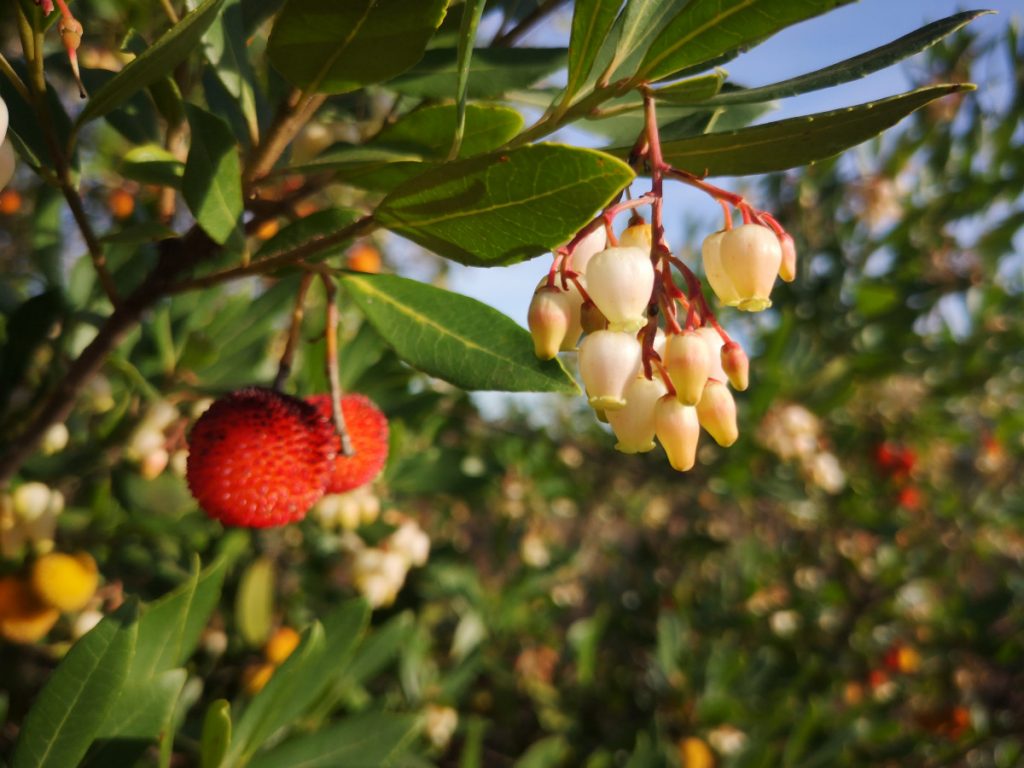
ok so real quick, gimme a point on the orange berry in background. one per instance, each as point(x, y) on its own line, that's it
point(363, 257)
point(10, 202)
point(24, 618)
point(65, 582)
point(267, 229)
point(695, 753)
point(256, 676)
point(121, 204)
point(305, 208)
point(281, 645)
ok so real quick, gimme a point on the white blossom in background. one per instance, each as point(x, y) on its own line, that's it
point(440, 724)
point(411, 542)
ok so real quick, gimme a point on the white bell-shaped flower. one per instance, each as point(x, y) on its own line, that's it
point(620, 281)
point(688, 360)
point(609, 361)
point(716, 412)
point(715, 343)
point(751, 256)
point(711, 255)
point(634, 424)
point(787, 270)
point(4, 120)
point(678, 431)
point(585, 250)
point(551, 317)
point(637, 236)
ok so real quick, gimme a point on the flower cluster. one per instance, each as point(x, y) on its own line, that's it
point(793, 433)
point(379, 572)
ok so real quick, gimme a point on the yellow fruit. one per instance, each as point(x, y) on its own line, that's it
point(281, 644)
point(65, 582)
point(363, 257)
point(267, 229)
point(256, 676)
point(23, 617)
point(695, 753)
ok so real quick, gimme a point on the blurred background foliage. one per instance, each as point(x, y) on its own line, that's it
point(842, 587)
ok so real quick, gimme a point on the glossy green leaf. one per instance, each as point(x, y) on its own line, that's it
point(705, 30)
point(357, 742)
point(216, 738)
point(154, 63)
point(212, 182)
point(339, 47)
point(454, 337)
point(797, 141)
point(152, 164)
point(69, 711)
point(170, 627)
point(254, 602)
point(692, 90)
point(316, 225)
point(635, 30)
point(492, 72)
point(592, 21)
point(850, 69)
point(225, 46)
point(303, 678)
point(23, 128)
point(504, 208)
point(472, 10)
point(142, 713)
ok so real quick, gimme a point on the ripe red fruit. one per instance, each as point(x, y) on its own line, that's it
point(368, 429)
point(259, 458)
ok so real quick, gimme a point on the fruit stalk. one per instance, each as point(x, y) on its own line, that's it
point(331, 360)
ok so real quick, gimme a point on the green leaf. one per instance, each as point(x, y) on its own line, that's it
point(592, 20)
point(23, 128)
point(225, 47)
point(152, 164)
point(453, 337)
point(705, 30)
point(316, 225)
point(492, 72)
point(212, 183)
point(154, 63)
point(693, 90)
point(140, 233)
point(73, 704)
point(849, 69)
point(216, 734)
point(504, 208)
point(546, 753)
point(635, 30)
point(797, 141)
point(254, 602)
point(340, 47)
point(357, 742)
point(472, 10)
point(170, 627)
point(142, 713)
point(297, 684)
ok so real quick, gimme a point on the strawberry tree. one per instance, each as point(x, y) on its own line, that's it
point(248, 144)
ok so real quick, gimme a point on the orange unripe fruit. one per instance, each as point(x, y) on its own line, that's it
point(121, 204)
point(24, 618)
point(10, 202)
point(363, 257)
point(281, 645)
point(256, 676)
point(695, 753)
point(66, 582)
point(267, 229)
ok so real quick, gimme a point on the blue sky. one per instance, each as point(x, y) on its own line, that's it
point(816, 43)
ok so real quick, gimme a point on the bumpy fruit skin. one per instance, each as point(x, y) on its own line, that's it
point(368, 428)
point(259, 458)
point(65, 582)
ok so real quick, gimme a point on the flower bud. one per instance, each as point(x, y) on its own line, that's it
point(751, 256)
point(637, 236)
point(678, 431)
point(736, 365)
point(549, 319)
point(154, 463)
point(787, 270)
point(410, 541)
point(716, 412)
point(688, 362)
point(634, 424)
point(711, 255)
point(620, 281)
point(609, 361)
point(8, 161)
point(31, 500)
point(585, 250)
point(715, 342)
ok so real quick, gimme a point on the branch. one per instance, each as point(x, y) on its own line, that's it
point(291, 117)
point(528, 22)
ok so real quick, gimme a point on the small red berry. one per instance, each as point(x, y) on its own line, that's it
point(368, 428)
point(910, 498)
point(259, 458)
